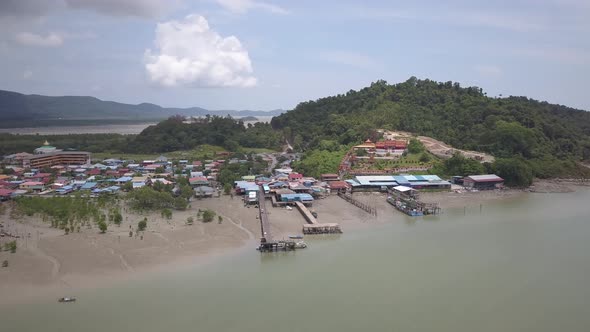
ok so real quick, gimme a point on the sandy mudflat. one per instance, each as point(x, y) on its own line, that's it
point(558, 185)
point(48, 259)
point(448, 200)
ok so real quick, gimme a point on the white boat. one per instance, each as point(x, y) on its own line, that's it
point(67, 299)
point(300, 245)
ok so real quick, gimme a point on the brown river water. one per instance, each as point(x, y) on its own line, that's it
point(521, 264)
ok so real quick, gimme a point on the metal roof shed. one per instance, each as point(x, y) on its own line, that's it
point(485, 178)
point(402, 189)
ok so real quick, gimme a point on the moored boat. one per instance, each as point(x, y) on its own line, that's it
point(67, 299)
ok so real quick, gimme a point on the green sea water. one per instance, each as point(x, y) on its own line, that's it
point(518, 265)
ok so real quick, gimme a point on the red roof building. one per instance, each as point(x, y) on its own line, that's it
point(41, 175)
point(338, 185)
point(487, 181)
point(391, 144)
point(295, 176)
point(94, 171)
point(5, 194)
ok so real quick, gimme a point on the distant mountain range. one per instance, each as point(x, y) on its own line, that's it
point(20, 110)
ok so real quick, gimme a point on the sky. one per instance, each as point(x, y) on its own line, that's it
point(274, 54)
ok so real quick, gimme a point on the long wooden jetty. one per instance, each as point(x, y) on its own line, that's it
point(266, 235)
point(266, 240)
point(313, 226)
point(359, 204)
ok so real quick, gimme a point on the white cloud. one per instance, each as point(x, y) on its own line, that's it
point(347, 58)
point(189, 53)
point(242, 6)
point(32, 39)
point(27, 74)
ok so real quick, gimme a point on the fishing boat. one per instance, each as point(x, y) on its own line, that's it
point(67, 299)
point(404, 207)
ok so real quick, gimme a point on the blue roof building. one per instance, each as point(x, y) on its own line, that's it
point(88, 186)
point(124, 179)
point(296, 198)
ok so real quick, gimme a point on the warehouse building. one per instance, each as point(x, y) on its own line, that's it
point(483, 182)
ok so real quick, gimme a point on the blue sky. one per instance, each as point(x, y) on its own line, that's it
point(249, 54)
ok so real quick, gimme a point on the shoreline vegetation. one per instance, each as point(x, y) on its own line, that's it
point(49, 262)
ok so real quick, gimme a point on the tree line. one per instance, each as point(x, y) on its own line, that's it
point(169, 135)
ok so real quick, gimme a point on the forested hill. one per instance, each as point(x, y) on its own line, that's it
point(19, 110)
point(463, 117)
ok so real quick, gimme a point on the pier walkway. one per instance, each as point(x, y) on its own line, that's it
point(313, 226)
point(266, 235)
point(306, 214)
point(267, 243)
point(367, 208)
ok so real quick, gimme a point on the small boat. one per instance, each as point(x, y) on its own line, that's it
point(67, 299)
point(300, 245)
point(297, 236)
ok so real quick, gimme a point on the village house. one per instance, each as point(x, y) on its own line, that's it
point(483, 182)
point(204, 191)
point(32, 186)
point(5, 194)
point(338, 186)
point(295, 176)
point(329, 177)
point(285, 170)
point(249, 178)
point(198, 181)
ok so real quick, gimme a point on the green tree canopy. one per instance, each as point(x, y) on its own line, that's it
point(515, 172)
